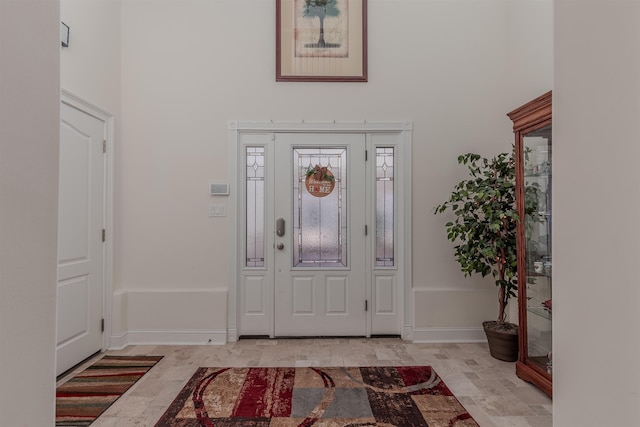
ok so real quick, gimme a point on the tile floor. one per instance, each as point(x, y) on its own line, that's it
point(488, 388)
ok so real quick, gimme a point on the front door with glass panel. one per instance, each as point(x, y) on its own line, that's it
point(322, 242)
point(320, 251)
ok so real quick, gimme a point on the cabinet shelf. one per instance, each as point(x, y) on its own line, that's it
point(535, 274)
point(540, 311)
point(538, 175)
point(533, 150)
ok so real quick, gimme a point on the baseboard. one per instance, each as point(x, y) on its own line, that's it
point(408, 333)
point(449, 335)
point(420, 335)
point(118, 342)
point(211, 337)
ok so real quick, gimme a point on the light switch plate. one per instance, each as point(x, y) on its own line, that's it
point(217, 210)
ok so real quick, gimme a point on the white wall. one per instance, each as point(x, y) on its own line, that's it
point(188, 67)
point(596, 296)
point(29, 137)
point(90, 69)
point(90, 66)
point(530, 61)
point(530, 50)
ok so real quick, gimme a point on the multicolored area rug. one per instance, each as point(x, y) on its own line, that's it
point(303, 397)
point(88, 394)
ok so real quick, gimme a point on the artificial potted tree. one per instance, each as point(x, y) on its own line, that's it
point(484, 230)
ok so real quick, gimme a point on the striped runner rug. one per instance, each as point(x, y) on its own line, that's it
point(89, 393)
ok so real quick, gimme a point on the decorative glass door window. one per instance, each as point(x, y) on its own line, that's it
point(385, 207)
point(255, 215)
point(319, 207)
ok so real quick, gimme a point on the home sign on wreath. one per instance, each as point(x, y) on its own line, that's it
point(320, 181)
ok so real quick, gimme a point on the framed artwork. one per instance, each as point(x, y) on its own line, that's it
point(64, 34)
point(321, 40)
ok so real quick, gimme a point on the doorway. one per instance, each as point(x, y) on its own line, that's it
point(320, 221)
point(83, 255)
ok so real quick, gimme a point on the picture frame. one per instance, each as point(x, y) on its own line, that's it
point(321, 41)
point(64, 34)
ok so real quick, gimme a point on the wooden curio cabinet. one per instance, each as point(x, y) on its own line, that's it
point(533, 149)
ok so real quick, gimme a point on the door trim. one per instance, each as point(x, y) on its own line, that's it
point(87, 107)
point(403, 130)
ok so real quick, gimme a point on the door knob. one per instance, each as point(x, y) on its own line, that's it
point(280, 246)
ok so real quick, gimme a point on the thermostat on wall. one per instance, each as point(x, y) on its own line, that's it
point(219, 189)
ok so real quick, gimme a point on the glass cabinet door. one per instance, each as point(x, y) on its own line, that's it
point(532, 131)
point(538, 256)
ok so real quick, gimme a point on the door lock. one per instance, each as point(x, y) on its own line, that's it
point(280, 246)
point(280, 227)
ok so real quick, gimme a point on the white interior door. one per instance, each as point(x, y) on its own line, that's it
point(320, 250)
point(80, 237)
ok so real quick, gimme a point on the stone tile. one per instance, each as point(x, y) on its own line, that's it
point(176, 373)
point(129, 406)
point(508, 383)
point(106, 421)
point(530, 395)
point(490, 387)
point(479, 415)
point(460, 386)
point(542, 409)
point(386, 354)
point(540, 421)
point(530, 421)
point(500, 405)
point(510, 422)
point(307, 363)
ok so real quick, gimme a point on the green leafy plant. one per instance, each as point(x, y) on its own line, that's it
point(484, 228)
point(320, 173)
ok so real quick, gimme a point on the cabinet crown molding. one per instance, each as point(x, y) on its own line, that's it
point(532, 113)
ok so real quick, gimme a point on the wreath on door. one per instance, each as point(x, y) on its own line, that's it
point(320, 181)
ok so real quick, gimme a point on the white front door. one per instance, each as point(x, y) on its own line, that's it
point(326, 258)
point(320, 278)
point(80, 237)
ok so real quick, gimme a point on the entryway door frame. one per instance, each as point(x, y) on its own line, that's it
point(107, 118)
point(254, 316)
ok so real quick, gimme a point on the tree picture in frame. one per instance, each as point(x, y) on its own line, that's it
point(321, 40)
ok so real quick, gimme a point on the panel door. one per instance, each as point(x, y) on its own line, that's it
point(320, 252)
point(80, 246)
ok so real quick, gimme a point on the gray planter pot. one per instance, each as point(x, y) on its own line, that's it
point(503, 340)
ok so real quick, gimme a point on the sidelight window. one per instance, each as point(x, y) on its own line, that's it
point(255, 189)
point(385, 207)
